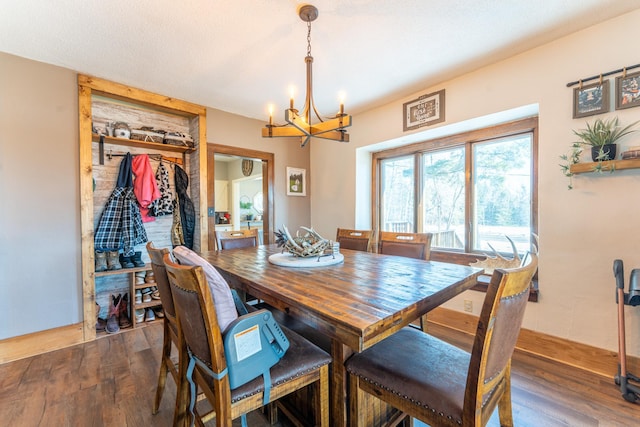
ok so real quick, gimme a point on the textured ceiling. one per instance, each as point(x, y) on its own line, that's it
point(239, 56)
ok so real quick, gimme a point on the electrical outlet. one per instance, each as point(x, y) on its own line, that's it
point(468, 306)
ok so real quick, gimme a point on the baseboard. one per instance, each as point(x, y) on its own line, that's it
point(599, 361)
point(40, 342)
point(593, 359)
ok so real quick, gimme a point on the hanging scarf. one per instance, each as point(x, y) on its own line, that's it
point(163, 205)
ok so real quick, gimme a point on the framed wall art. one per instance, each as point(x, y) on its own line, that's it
point(628, 91)
point(424, 111)
point(296, 182)
point(591, 99)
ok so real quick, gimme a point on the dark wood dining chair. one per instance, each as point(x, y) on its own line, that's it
point(236, 239)
point(358, 240)
point(303, 364)
point(410, 245)
point(438, 383)
point(170, 326)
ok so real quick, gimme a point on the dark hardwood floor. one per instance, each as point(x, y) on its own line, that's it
point(112, 381)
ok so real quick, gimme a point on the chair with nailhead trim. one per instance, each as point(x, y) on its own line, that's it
point(438, 383)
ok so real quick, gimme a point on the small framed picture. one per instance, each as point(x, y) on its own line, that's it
point(628, 91)
point(296, 182)
point(591, 99)
point(424, 111)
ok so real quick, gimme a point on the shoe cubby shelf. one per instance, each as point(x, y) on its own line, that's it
point(123, 271)
point(150, 304)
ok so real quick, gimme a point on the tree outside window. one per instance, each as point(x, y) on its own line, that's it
point(471, 192)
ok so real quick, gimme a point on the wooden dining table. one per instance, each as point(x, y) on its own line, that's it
point(355, 303)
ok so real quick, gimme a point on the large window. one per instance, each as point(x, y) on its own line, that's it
point(471, 191)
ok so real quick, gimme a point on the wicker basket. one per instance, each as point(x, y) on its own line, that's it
point(180, 139)
point(147, 135)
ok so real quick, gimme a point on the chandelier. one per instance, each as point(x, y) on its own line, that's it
point(299, 124)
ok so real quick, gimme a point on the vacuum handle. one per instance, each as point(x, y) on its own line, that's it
point(618, 272)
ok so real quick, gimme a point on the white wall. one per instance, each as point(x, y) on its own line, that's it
point(581, 231)
point(40, 242)
point(40, 285)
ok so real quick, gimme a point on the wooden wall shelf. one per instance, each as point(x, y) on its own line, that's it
point(142, 144)
point(606, 166)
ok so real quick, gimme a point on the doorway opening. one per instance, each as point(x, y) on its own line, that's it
point(240, 189)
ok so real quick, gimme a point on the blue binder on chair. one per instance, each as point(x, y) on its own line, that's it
point(253, 343)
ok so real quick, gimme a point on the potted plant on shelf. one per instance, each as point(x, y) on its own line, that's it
point(602, 137)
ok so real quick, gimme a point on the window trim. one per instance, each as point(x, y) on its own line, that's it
point(466, 139)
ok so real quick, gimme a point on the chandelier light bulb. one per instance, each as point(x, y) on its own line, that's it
point(292, 92)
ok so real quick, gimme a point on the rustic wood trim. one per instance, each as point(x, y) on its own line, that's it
point(202, 176)
point(40, 342)
point(559, 350)
point(86, 212)
point(150, 99)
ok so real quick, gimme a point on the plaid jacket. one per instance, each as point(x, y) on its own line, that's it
point(120, 226)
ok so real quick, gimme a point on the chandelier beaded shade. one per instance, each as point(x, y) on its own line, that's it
point(299, 124)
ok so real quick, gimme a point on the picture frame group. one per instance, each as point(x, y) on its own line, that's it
point(592, 99)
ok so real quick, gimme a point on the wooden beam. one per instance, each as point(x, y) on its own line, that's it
point(127, 93)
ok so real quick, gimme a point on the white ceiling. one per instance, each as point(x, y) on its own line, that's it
point(241, 55)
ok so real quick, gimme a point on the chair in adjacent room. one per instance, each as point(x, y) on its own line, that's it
point(358, 240)
point(236, 239)
point(438, 383)
point(170, 325)
point(411, 245)
point(211, 368)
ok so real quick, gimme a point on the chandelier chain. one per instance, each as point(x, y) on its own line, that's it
point(308, 38)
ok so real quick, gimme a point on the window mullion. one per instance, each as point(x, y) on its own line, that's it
point(418, 207)
point(468, 188)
